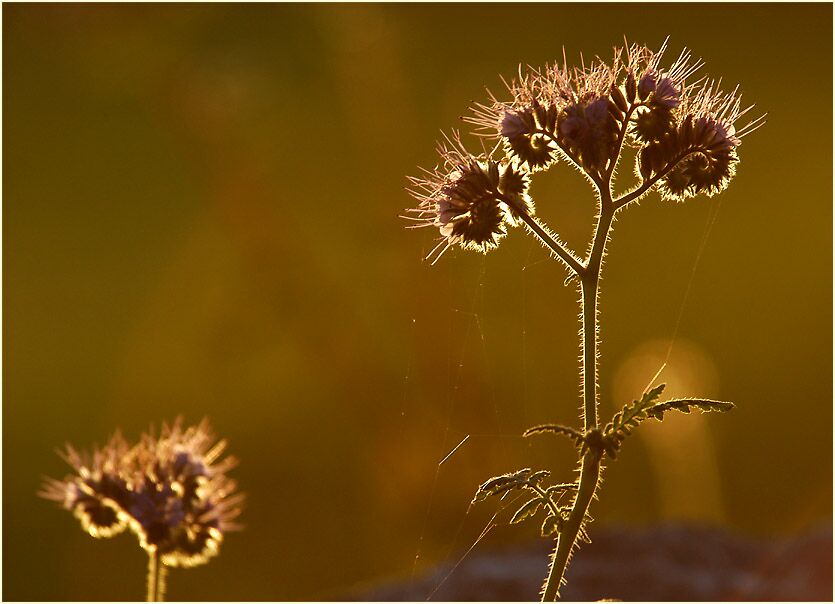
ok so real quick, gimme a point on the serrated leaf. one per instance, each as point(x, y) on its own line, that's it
point(539, 476)
point(633, 414)
point(527, 510)
point(566, 486)
point(555, 493)
point(653, 394)
point(500, 484)
point(568, 431)
point(684, 404)
point(494, 483)
point(480, 496)
point(551, 525)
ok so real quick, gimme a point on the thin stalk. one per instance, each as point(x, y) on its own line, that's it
point(162, 580)
point(156, 578)
point(153, 564)
point(590, 467)
point(551, 242)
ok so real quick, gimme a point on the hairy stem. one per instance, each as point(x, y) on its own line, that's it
point(589, 477)
point(646, 185)
point(551, 242)
point(621, 136)
point(590, 468)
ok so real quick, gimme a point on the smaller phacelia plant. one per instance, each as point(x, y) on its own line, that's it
point(172, 491)
point(685, 138)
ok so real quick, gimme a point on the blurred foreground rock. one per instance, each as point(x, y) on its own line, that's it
point(665, 563)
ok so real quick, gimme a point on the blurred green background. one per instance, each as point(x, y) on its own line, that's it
point(200, 217)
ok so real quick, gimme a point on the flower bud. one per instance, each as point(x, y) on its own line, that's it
point(630, 88)
point(646, 85)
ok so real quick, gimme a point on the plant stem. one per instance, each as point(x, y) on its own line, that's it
point(646, 185)
point(156, 578)
point(153, 561)
point(590, 466)
point(551, 242)
point(589, 476)
point(162, 578)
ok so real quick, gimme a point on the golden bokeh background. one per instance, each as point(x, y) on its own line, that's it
point(200, 217)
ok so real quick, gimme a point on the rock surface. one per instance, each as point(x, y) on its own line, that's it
point(665, 563)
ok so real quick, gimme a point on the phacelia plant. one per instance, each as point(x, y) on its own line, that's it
point(685, 136)
point(171, 491)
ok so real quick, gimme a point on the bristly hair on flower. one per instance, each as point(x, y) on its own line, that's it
point(171, 490)
point(471, 199)
point(683, 133)
point(94, 492)
point(683, 130)
point(554, 112)
point(700, 154)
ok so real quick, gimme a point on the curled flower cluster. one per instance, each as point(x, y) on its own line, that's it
point(172, 491)
point(471, 199)
point(683, 133)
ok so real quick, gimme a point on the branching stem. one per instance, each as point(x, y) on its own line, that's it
point(647, 184)
point(552, 243)
point(589, 273)
point(590, 466)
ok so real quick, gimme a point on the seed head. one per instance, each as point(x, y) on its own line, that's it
point(171, 491)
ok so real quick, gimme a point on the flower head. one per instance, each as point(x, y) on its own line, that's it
point(699, 154)
point(94, 493)
point(684, 134)
point(172, 491)
point(655, 91)
point(583, 113)
point(553, 112)
point(590, 132)
point(471, 199)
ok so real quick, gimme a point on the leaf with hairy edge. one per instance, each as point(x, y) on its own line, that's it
point(633, 414)
point(566, 486)
point(653, 393)
point(684, 404)
point(538, 477)
point(624, 420)
point(527, 510)
point(498, 485)
point(571, 433)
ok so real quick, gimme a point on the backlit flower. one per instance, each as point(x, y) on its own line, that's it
point(552, 112)
point(172, 491)
point(700, 154)
point(470, 199)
